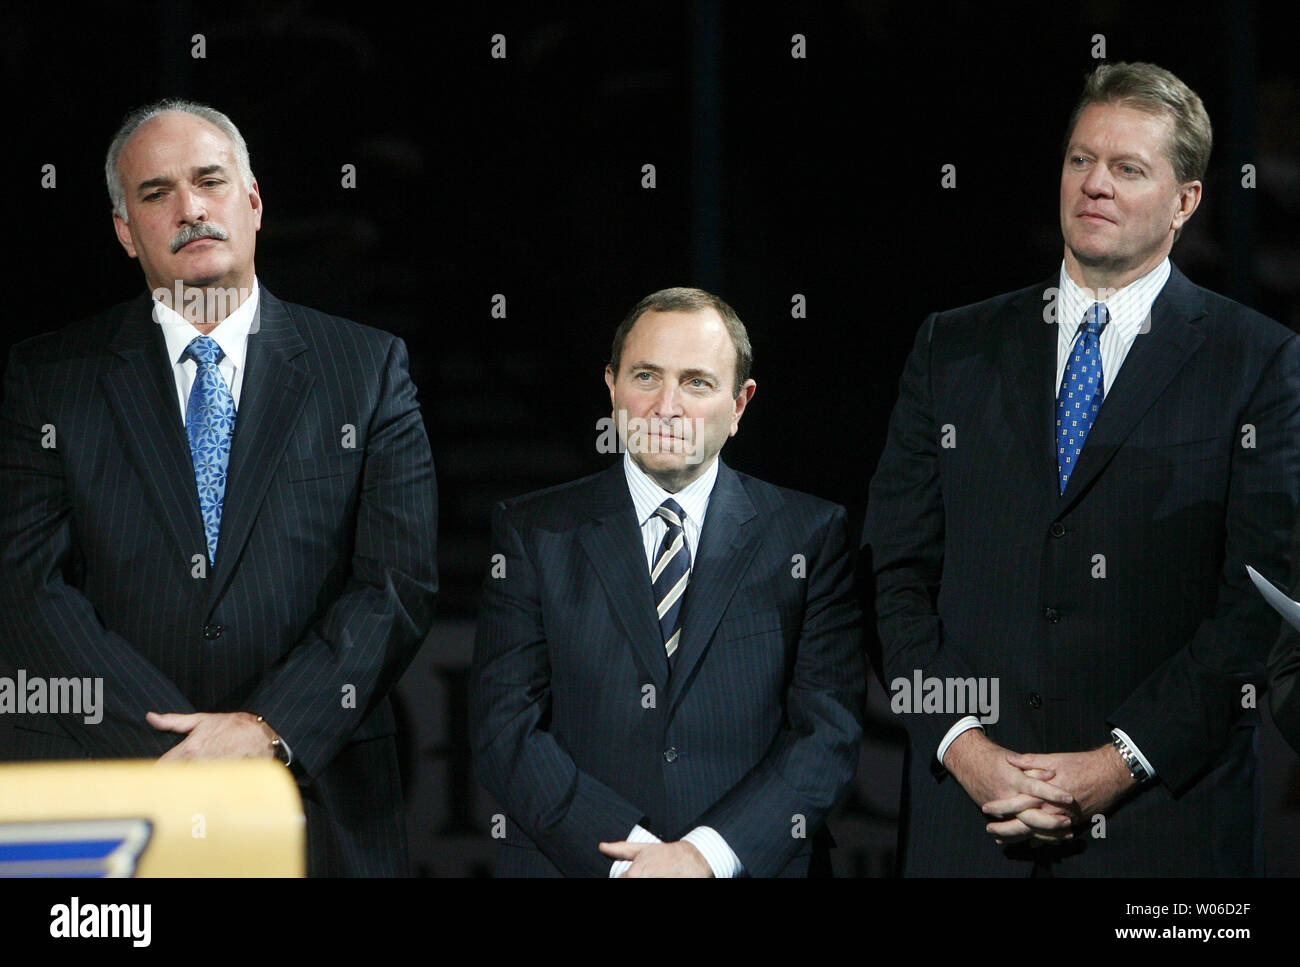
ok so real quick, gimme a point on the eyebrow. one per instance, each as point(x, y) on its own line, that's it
point(195, 175)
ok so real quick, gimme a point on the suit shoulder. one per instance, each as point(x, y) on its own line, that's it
point(87, 337)
point(315, 325)
point(976, 314)
point(773, 498)
point(1243, 322)
point(552, 504)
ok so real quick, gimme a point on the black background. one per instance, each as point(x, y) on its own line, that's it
point(523, 177)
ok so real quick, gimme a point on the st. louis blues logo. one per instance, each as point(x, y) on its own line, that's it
point(81, 848)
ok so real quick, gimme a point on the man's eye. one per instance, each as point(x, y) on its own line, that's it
point(643, 377)
point(1129, 170)
point(208, 181)
point(152, 195)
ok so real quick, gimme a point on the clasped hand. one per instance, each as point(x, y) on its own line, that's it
point(1036, 797)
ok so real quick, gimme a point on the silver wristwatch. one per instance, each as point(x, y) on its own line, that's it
point(1135, 767)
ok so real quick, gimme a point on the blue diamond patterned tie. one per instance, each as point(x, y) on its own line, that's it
point(1081, 392)
point(210, 424)
point(671, 572)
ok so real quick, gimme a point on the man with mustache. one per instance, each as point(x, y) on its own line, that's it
point(1075, 478)
point(668, 674)
point(221, 504)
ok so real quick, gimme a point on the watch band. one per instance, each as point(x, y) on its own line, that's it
point(1135, 767)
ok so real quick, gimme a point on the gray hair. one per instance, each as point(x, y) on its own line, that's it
point(116, 191)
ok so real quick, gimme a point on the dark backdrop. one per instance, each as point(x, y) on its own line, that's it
point(775, 176)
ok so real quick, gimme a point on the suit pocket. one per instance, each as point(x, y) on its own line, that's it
point(734, 628)
point(323, 465)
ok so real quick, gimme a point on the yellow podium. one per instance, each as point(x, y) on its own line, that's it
point(237, 817)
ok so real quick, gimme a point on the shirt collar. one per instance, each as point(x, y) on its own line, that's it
point(1127, 308)
point(231, 334)
point(648, 495)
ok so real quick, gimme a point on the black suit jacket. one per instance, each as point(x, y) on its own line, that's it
point(324, 582)
point(578, 729)
point(1190, 472)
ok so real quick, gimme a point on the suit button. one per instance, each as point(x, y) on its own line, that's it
point(670, 754)
point(1058, 529)
point(212, 632)
point(1035, 700)
point(1052, 615)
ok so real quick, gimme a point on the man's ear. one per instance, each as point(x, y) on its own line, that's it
point(1189, 198)
point(609, 381)
point(742, 400)
point(124, 234)
point(255, 202)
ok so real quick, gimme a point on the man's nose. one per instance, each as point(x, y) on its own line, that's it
point(669, 400)
point(190, 207)
point(1098, 182)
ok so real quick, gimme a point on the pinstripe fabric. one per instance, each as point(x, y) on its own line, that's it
point(1123, 602)
point(577, 729)
point(324, 586)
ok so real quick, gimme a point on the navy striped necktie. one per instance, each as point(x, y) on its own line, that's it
point(670, 574)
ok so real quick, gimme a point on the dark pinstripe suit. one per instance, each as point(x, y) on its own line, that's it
point(984, 569)
point(324, 581)
point(758, 723)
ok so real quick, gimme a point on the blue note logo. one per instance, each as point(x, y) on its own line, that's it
point(88, 847)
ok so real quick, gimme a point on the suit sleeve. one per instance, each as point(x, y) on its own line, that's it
point(50, 628)
point(814, 756)
point(368, 635)
point(1181, 714)
point(905, 531)
point(563, 810)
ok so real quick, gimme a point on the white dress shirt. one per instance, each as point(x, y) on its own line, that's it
point(231, 334)
point(1129, 310)
point(694, 501)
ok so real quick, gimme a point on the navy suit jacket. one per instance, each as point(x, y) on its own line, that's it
point(580, 732)
point(1123, 602)
point(324, 582)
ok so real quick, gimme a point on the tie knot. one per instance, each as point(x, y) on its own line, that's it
point(671, 512)
point(203, 349)
point(1095, 318)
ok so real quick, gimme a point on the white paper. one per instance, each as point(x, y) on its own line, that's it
point(1288, 609)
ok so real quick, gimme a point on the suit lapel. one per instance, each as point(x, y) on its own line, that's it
point(1153, 361)
point(271, 400)
point(1028, 364)
point(141, 392)
point(612, 541)
point(727, 546)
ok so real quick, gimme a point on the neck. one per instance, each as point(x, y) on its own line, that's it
point(1104, 279)
point(203, 307)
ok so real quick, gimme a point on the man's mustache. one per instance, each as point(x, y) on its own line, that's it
point(200, 230)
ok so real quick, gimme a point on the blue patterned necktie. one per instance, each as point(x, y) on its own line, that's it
point(1081, 392)
point(210, 424)
point(670, 574)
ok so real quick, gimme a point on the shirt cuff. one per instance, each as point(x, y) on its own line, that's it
point(1146, 764)
point(724, 863)
point(639, 834)
point(963, 724)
